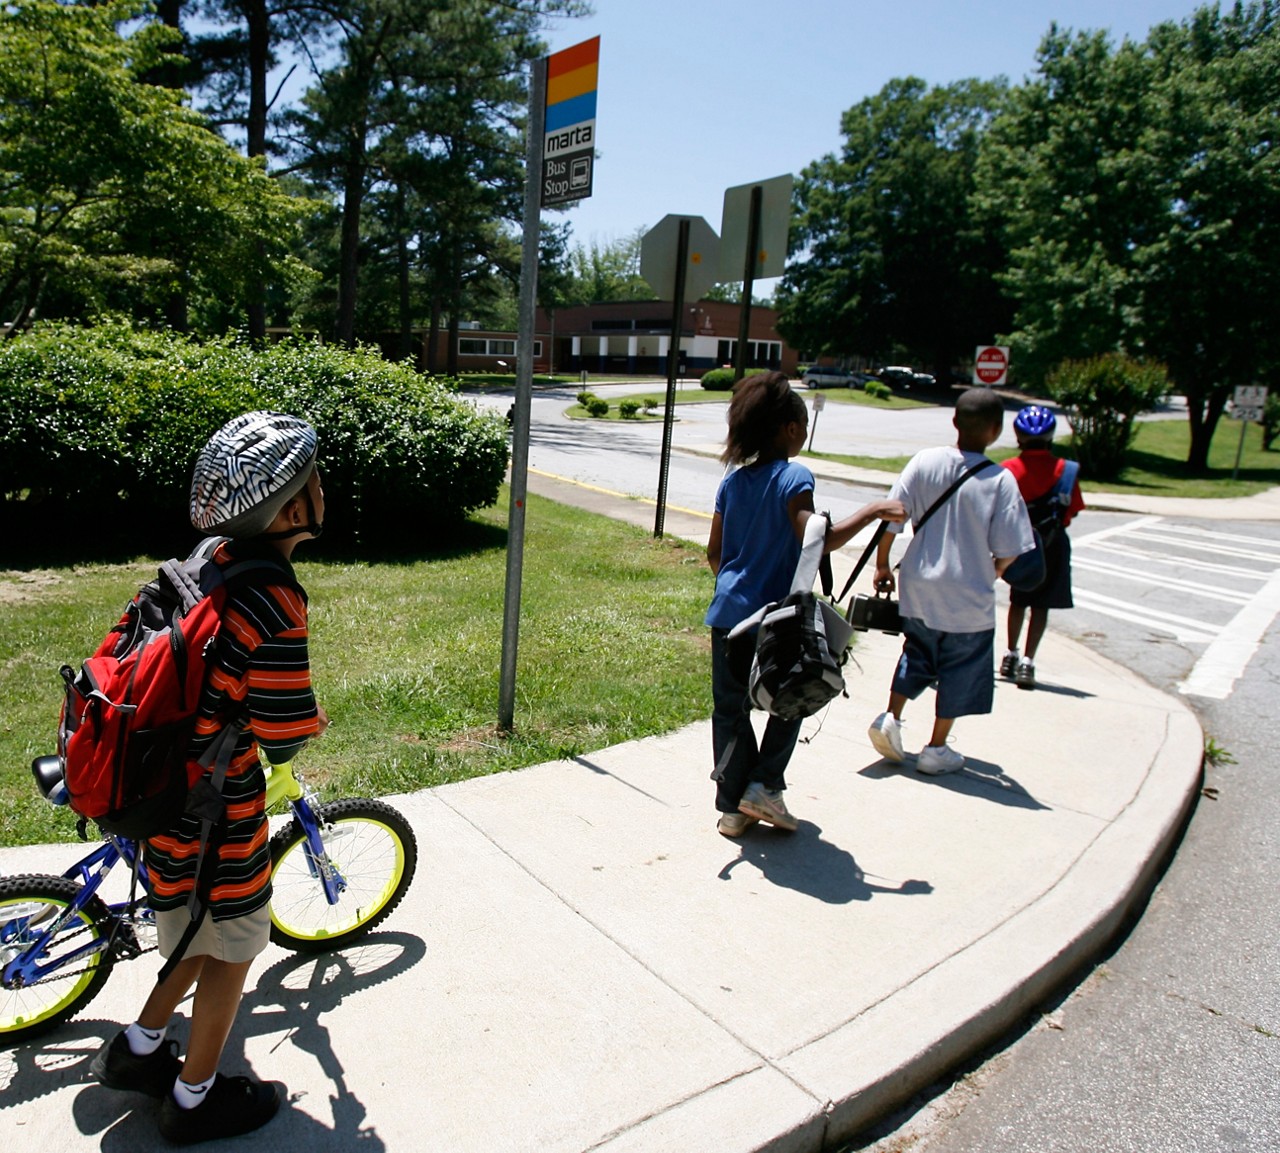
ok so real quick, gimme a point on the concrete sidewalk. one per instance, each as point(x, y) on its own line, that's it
point(583, 963)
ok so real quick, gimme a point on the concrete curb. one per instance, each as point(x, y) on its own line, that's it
point(905, 1046)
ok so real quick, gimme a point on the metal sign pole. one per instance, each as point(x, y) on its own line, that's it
point(524, 388)
point(673, 356)
point(748, 280)
point(1235, 472)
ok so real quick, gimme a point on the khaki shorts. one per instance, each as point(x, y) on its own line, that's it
point(235, 940)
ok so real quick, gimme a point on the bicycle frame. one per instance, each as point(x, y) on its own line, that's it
point(91, 870)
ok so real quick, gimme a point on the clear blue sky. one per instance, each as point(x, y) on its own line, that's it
point(696, 96)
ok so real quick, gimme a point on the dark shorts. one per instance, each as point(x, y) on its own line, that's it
point(958, 664)
point(1055, 593)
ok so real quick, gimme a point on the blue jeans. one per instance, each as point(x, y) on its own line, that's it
point(746, 762)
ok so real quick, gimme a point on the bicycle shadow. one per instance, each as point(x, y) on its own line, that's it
point(290, 997)
point(805, 862)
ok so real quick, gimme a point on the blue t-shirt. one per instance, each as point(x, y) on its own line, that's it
point(759, 550)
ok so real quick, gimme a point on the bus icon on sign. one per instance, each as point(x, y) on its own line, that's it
point(580, 173)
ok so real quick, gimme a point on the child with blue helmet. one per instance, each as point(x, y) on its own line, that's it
point(1052, 500)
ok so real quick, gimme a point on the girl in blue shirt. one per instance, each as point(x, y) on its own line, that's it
point(756, 534)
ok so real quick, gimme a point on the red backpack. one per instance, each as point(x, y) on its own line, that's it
point(130, 712)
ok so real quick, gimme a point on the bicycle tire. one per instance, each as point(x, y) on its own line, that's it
point(34, 1009)
point(374, 849)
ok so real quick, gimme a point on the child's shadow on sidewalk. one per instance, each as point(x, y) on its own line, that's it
point(984, 780)
point(805, 862)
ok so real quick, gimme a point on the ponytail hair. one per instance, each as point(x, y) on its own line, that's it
point(761, 407)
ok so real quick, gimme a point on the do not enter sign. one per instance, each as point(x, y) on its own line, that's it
point(991, 364)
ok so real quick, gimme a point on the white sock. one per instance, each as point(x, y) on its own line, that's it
point(189, 1096)
point(143, 1042)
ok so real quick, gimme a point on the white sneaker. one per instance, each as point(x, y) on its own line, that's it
point(938, 759)
point(886, 735)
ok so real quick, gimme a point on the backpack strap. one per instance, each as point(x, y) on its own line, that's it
point(206, 802)
point(1066, 483)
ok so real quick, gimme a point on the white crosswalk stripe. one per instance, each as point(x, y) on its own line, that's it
point(1176, 570)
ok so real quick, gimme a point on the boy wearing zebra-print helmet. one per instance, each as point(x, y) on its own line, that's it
point(256, 483)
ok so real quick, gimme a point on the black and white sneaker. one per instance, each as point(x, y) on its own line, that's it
point(232, 1106)
point(118, 1067)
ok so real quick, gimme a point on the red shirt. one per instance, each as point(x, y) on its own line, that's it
point(1037, 470)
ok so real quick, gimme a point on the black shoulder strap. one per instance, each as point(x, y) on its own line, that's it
point(884, 524)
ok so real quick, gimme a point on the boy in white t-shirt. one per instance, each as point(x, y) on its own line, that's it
point(948, 580)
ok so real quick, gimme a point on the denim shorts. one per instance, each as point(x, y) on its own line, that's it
point(960, 665)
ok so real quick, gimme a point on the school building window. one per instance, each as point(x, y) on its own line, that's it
point(760, 353)
point(476, 346)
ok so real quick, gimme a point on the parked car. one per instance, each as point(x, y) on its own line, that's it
point(923, 379)
point(827, 376)
point(898, 374)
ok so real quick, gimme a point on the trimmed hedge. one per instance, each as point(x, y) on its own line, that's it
point(719, 379)
point(106, 422)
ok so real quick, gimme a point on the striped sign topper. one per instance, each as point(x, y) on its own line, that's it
point(569, 143)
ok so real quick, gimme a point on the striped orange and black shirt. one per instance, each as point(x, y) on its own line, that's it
point(260, 672)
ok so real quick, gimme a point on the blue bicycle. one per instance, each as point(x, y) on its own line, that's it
point(337, 870)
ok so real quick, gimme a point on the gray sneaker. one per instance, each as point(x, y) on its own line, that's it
point(1025, 675)
point(886, 735)
point(734, 824)
point(766, 805)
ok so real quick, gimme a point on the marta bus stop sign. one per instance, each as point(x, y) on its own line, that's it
point(569, 140)
point(991, 364)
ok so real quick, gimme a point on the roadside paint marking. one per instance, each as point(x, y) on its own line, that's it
point(1205, 546)
point(1115, 530)
point(1223, 662)
point(1182, 562)
point(1210, 592)
point(1209, 534)
point(619, 495)
point(1182, 628)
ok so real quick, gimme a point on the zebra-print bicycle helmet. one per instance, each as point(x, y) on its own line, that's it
point(248, 470)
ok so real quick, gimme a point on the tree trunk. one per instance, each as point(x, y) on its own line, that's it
point(349, 256)
point(402, 273)
point(1204, 408)
point(259, 29)
point(433, 329)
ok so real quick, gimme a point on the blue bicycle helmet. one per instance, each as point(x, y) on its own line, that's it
point(1035, 420)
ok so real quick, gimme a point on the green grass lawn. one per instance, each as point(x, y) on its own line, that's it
point(693, 394)
point(406, 655)
point(1157, 463)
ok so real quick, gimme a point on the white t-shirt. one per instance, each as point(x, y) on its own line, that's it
point(947, 577)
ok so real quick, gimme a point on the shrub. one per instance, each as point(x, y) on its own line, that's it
point(1103, 397)
point(105, 423)
point(1270, 420)
point(585, 398)
point(628, 408)
point(719, 379)
point(649, 403)
point(878, 389)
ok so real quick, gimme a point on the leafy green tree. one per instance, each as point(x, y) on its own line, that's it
point(113, 194)
point(1140, 198)
point(610, 271)
point(1103, 397)
point(420, 119)
point(896, 262)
